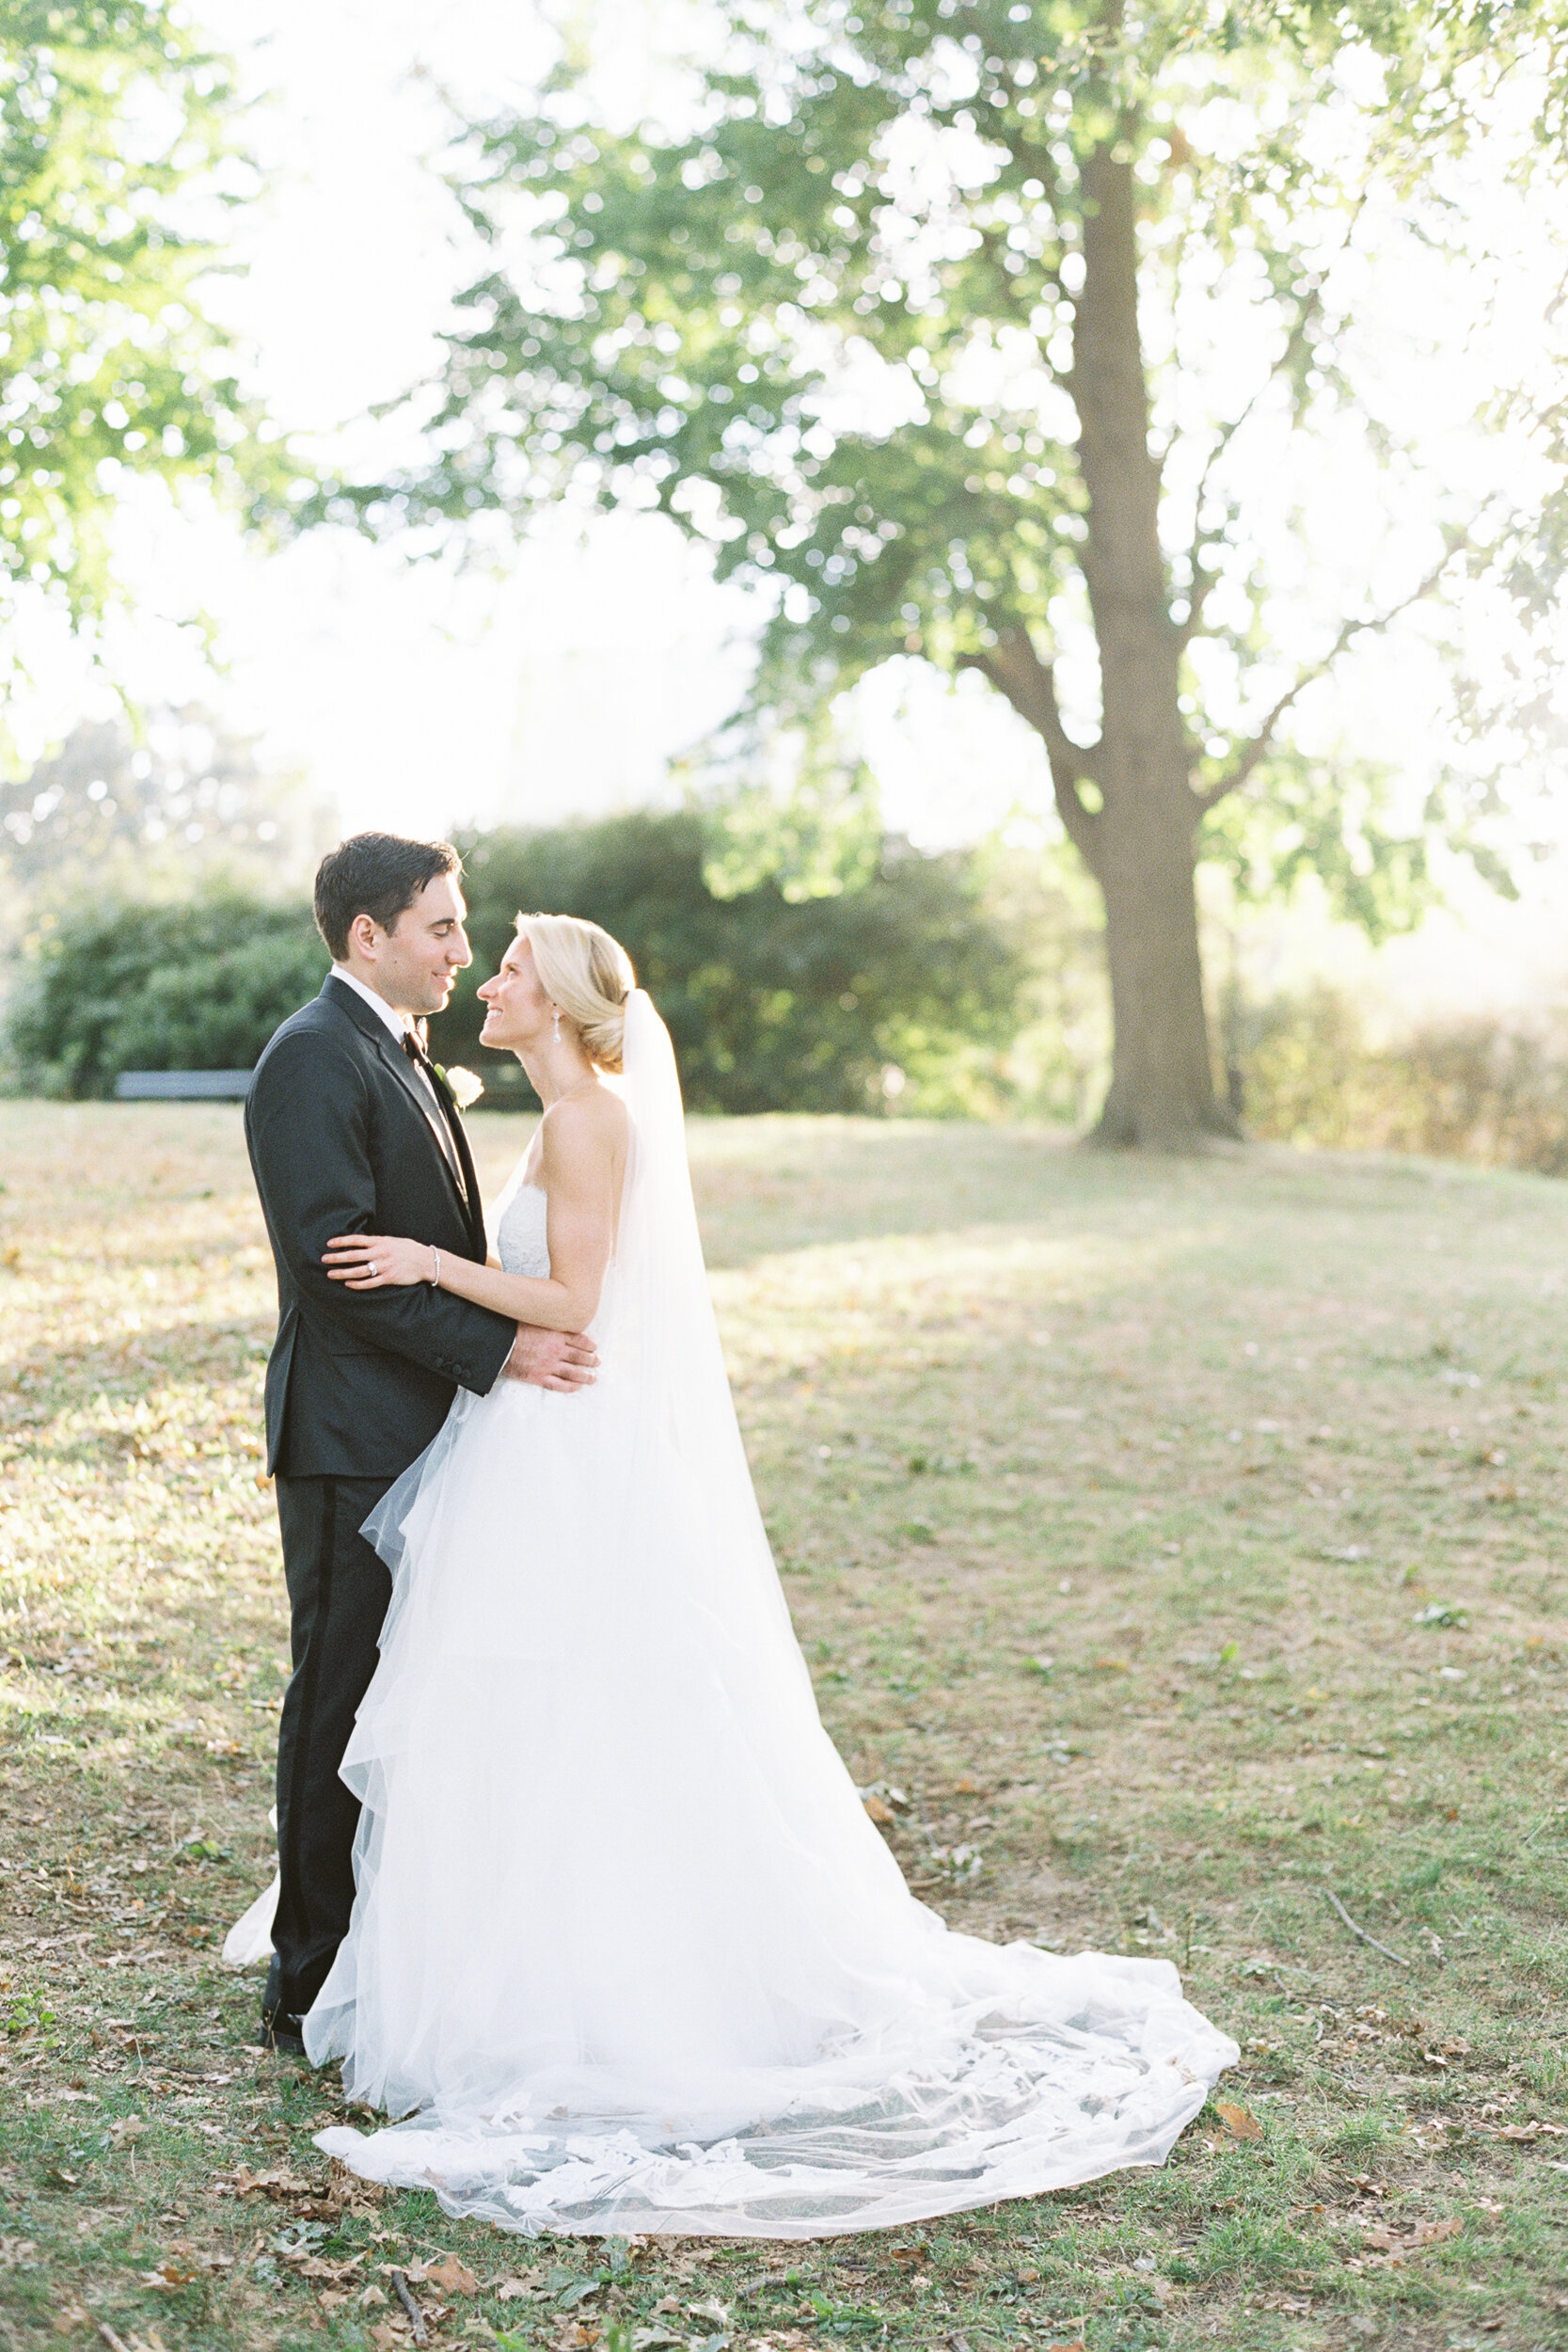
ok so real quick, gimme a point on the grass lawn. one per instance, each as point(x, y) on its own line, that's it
point(1176, 1547)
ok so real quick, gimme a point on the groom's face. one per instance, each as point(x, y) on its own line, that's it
point(417, 962)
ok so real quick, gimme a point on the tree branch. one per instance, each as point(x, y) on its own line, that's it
point(994, 248)
point(1199, 581)
point(1016, 670)
point(1257, 750)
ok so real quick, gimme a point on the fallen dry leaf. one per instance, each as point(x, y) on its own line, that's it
point(242, 2182)
point(1237, 2121)
point(451, 2275)
point(879, 1810)
point(349, 2193)
point(1394, 2245)
point(171, 2274)
point(308, 2265)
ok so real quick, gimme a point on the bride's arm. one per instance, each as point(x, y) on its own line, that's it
point(579, 1155)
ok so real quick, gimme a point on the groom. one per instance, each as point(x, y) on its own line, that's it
point(351, 1129)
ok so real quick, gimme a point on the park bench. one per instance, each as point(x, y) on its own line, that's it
point(181, 1086)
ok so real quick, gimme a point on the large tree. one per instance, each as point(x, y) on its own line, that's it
point(117, 157)
point(151, 812)
point(966, 324)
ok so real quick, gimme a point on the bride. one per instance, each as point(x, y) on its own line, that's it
point(628, 1953)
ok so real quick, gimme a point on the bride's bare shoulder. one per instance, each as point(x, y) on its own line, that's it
point(593, 1120)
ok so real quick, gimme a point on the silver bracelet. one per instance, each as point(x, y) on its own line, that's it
point(436, 1277)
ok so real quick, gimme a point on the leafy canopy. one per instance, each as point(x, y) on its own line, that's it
point(153, 813)
point(116, 122)
point(827, 321)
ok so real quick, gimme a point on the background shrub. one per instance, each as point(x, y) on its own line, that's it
point(956, 985)
point(1482, 1089)
point(200, 984)
point(900, 990)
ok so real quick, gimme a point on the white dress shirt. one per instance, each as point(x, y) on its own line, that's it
point(401, 1026)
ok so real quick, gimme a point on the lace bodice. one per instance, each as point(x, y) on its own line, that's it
point(520, 1243)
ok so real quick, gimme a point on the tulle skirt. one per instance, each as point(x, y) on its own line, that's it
point(628, 1953)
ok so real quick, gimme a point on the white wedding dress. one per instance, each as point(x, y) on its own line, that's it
point(627, 1951)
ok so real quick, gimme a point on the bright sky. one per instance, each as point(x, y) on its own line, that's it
point(565, 683)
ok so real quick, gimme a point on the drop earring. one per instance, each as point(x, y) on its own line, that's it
point(558, 1025)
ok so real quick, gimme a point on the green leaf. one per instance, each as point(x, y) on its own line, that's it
point(579, 2292)
point(114, 367)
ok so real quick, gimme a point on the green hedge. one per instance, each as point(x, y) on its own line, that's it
point(197, 985)
point(775, 1003)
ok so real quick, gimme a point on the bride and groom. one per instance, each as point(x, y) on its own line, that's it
point(571, 1878)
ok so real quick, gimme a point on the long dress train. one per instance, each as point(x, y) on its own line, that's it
point(627, 1952)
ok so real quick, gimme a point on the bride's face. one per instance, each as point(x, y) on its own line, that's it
point(517, 1008)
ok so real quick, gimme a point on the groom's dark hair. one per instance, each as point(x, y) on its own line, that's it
point(379, 874)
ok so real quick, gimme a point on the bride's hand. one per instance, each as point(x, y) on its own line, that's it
point(371, 1262)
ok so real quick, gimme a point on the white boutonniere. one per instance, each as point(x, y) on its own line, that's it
point(462, 1085)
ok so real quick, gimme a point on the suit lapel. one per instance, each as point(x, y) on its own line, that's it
point(370, 1025)
point(465, 1160)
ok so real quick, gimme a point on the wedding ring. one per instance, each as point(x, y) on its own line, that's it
point(373, 1266)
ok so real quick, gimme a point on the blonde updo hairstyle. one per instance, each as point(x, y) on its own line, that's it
point(586, 972)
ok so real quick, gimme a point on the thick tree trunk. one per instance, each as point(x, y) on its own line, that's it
point(1162, 1093)
point(1141, 852)
point(1136, 826)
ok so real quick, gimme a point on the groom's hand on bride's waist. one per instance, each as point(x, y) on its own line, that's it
point(552, 1360)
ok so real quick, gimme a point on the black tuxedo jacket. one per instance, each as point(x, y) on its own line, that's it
point(338, 1124)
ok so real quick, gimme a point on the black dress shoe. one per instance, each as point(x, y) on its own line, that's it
point(283, 2034)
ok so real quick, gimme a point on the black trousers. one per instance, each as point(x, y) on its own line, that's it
point(339, 1591)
